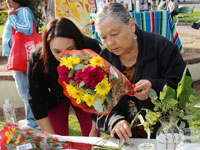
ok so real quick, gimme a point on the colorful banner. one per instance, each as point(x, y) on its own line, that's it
point(78, 11)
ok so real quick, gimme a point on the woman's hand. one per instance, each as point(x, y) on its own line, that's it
point(11, 11)
point(122, 129)
point(142, 89)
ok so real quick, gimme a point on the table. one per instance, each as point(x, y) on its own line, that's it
point(159, 22)
point(133, 142)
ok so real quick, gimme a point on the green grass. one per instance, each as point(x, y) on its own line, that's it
point(191, 17)
point(1, 30)
point(74, 127)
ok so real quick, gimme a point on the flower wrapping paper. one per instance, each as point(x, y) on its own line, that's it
point(90, 82)
point(12, 137)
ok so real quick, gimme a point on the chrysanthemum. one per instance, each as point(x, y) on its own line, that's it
point(92, 76)
point(96, 61)
point(103, 87)
point(79, 76)
point(64, 73)
point(89, 99)
point(75, 92)
point(70, 61)
point(63, 61)
point(102, 98)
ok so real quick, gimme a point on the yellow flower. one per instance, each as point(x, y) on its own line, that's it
point(102, 98)
point(75, 92)
point(89, 99)
point(96, 60)
point(9, 135)
point(103, 87)
point(63, 61)
point(18, 139)
point(68, 62)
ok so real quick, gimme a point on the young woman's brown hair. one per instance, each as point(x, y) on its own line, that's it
point(62, 27)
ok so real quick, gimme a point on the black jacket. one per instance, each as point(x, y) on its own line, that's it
point(44, 90)
point(159, 61)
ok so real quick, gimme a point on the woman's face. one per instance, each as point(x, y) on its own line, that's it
point(58, 44)
point(116, 37)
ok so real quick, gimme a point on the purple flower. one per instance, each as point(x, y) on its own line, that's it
point(92, 76)
point(79, 76)
point(63, 74)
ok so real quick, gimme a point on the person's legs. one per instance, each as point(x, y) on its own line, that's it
point(196, 25)
point(58, 117)
point(84, 120)
point(173, 13)
point(21, 82)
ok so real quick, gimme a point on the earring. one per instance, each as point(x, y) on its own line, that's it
point(135, 37)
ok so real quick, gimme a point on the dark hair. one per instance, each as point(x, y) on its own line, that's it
point(25, 3)
point(61, 27)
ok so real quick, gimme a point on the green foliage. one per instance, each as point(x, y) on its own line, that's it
point(191, 17)
point(1, 31)
point(98, 105)
point(3, 17)
point(178, 104)
point(38, 13)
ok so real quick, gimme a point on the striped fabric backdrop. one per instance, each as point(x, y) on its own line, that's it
point(159, 22)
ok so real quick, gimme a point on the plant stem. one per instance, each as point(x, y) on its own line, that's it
point(131, 125)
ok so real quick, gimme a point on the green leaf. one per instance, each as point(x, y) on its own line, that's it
point(197, 105)
point(167, 93)
point(109, 99)
point(79, 67)
point(174, 114)
point(182, 125)
point(98, 105)
point(141, 119)
point(188, 117)
point(90, 91)
point(81, 84)
point(171, 102)
point(71, 73)
point(184, 89)
point(153, 94)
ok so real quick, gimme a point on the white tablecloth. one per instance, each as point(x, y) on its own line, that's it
point(133, 143)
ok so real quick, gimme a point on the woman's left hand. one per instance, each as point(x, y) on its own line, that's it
point(142, 89)
point(11, 11)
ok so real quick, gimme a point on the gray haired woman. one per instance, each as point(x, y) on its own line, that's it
point(148, 60)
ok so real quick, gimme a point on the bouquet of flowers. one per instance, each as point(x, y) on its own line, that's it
point(90, 82)
point(12, 137)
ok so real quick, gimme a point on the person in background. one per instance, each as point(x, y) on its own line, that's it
point(49, 105)
point(196, 25)
point(162, 5)
point(172, 7)
point(21, 18)
point(148, 60)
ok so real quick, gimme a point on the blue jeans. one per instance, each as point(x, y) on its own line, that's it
point(21, 82)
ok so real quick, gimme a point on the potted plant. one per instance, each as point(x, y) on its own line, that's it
point(172, 106)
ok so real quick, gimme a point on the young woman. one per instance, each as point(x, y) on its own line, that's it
point(21, 18)
point(49, 105)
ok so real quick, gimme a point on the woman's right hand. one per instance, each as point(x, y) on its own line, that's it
point(122, 129)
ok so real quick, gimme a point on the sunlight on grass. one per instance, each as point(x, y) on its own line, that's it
point(191, 17)
point(1, 30)
point(74, 127)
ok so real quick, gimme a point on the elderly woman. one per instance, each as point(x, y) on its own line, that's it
point(148, 60)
